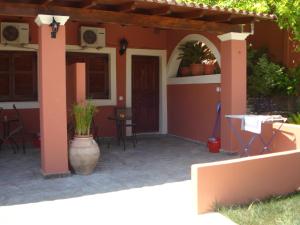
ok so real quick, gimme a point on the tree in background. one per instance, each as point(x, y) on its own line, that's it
point(287, 11)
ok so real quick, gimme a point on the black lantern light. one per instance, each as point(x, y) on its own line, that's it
point(54, 26)
point(123, 46)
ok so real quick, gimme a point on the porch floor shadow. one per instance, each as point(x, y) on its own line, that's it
point(156, 160)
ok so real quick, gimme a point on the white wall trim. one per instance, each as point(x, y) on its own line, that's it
point(162, 54)
point(174, 62)
point(20, 105)
point(42, 19)
point(21, 47)
point(112, 71)
point(233, 36)
point(203, 79)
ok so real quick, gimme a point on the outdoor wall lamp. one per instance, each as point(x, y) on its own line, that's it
point(123, 46)
point(54, 26)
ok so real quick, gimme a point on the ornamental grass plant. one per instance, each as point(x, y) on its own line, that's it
point(83, 116)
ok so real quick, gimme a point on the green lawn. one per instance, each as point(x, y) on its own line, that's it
point(275, 211)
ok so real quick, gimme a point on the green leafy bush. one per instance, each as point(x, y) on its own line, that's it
point(294, 118)
point(83, 115)
point(253, 55)
point(267, 78)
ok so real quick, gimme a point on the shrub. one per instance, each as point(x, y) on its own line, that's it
point(267, 78)
point(294, 118)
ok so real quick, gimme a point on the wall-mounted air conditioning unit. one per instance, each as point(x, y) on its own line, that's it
point(14, 33)
point(92, 37)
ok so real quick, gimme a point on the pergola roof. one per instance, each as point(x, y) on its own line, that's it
point(168, 14)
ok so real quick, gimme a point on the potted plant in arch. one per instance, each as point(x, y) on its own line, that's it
point(184, 67)
point(209, 63)
point(198, 52)
point(84, 152)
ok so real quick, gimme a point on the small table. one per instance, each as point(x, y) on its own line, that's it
point(246, 145)
point(121, 128)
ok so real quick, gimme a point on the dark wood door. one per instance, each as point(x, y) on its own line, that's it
point(145, 93)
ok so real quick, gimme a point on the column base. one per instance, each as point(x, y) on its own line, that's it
point(55, 175)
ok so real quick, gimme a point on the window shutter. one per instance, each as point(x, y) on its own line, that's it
point(25, 76)
point(4, 77)
point(18, 76)
point(97, 73)
point(98, 78)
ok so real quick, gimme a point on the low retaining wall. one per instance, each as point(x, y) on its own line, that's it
point(287, 138)
point(243, 180)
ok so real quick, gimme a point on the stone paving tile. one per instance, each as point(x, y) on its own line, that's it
point(157, 160)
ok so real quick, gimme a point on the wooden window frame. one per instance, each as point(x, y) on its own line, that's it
point(112, 54)
point(88, 59)
point(12, 96)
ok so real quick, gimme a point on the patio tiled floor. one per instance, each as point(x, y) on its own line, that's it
point(151, 181)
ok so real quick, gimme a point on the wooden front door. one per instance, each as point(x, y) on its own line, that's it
point(145, 93)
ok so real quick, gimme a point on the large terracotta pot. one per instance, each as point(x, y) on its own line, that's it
point(84, 154)
point(185, 71)
point(197, 69)
point(209, 69)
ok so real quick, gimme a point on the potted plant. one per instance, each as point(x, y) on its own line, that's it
point(184, 67)
point(209, 66)
point(209, 63)
point(198, 53)
point(84, 152)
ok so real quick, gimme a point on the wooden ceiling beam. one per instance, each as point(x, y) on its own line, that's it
point(47, 2)
point(125, 7)
point(161, 11)
point(93, 15)
point(218, 17)
point(86, 4)
point(242, 20)
point(197, 14)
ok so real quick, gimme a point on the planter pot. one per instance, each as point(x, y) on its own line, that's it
point(209, 69)
point(84, 154)
point(185, 70)
point(197, 69)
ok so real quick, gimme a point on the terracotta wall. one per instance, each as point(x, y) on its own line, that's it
point(192, 110)
point(137, 38)
point(200, 117)
point(191, 107)
point(280, 46)
point(245, 180)
point(199, 100)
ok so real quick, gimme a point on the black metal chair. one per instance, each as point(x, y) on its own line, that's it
point(18, 129)
point(123, 120)
point(13, 130)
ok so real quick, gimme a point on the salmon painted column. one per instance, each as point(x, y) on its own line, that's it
point(233, 83)
point(52, 96)
point(80, 88)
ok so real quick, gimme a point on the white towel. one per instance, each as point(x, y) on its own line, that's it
point(252, 123)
